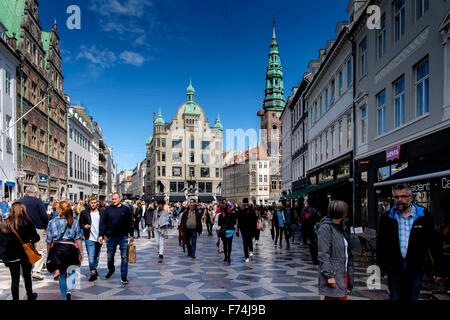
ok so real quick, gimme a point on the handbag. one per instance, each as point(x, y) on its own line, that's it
point(260, 225)
point(62, 254)
point(131, 253)
point(30, 250)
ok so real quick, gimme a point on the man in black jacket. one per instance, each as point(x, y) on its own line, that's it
point(38, 215)
point(90, 224)
point(116, 224)
point(190, 226)
point(407, 238)
point(247, 224)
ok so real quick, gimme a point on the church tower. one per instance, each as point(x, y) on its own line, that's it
point(274, 100)
point(273, 106)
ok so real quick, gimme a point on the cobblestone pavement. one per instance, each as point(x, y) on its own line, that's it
point(274, 273)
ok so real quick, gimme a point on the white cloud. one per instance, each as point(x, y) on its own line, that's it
point(132, 58)
point(101, 57)
point(131, 8)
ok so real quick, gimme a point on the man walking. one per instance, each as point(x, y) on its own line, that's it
point(247, 223)
point(191, 225)
point(406, 238)
point(116, 224)
point(148, 217)
point(38, 215)
point(90, 224)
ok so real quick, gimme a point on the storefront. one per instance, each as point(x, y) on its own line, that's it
point(424, 164)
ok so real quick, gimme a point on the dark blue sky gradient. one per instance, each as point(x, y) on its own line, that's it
point(222, 44)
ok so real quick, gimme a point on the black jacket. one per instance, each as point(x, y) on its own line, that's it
point(228, 222)
point(36, 211)
point(423, 241)
point(10, 247)
point(247, 221)
point(116, 222)
point(85, 219)
point(184, 218)
point(148, 216)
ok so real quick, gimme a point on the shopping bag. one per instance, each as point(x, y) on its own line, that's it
point(131, 253)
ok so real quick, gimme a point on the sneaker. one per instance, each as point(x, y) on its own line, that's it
point(251, 254)
point(193, 256)
point(125, 280)
point(37, 276)
point(256, 242)
point(93, 277)
point(160, 258)
point(56, 275)
point(247, 260)
point(68, 296)
point(109, 274)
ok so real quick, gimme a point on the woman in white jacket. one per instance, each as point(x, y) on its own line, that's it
point(161, 227)
point(216, 227)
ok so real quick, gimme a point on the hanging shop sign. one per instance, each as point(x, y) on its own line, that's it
point(393, 153)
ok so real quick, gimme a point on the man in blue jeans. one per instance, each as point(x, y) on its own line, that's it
point(116, 224)
point(90, 224)
point(191, 224)
point(407, 239)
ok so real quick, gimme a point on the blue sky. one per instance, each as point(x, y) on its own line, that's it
point(132, 56)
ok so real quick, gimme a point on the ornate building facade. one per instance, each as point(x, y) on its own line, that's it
point(42, 134)
point(184, 157)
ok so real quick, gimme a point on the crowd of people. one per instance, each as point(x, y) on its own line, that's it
point(406, 237)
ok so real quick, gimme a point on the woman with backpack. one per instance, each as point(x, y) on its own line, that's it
point(64, 248)
point(11, 250)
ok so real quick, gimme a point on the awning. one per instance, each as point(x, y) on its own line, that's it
point(157, 198)
point(220, 198)
point(275, 198)
point(415, 178)
point(177, 198)
point(1, 182)
point(205, 198)
point(10, 184)
point(305, 191)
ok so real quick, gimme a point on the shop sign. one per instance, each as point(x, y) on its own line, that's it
point(393, 153)
point(363, 162)
point(21, 174)
point(446, 183)
point(43, 179)
point(420, 187)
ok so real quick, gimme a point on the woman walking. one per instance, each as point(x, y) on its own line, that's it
point(137, 216)
point(12, 252)
point(161, 225)
point(335, 255)
point(279, 224)
point(216, 227)
point(64, 237)
point(227, 222)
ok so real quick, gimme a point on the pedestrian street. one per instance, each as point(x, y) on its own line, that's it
point(273, 274)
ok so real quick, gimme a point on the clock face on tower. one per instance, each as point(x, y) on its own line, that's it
point(278, 114)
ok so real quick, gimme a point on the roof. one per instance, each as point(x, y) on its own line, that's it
point(46, 39)
point(12, 13)
point(257, 153)
point(159, 121)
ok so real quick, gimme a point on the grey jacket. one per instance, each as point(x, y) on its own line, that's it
point(332, 259)
point(162, 221)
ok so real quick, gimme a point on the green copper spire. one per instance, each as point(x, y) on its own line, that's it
point(149, 140)
point(274, 92)
point(159, 121)
point(12, 13)
point(191, 107)
point(218, 124)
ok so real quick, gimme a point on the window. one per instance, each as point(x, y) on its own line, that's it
point(205, 158)
point(176, 143)
point(364, 124)
point(260, 178)
point(349, 72)
point(423, 88)
point(217, 159)
point(399, 19)
point(399, 102)
point(177, 156)
point(208, 187)
point(204, 172)
point(265, 165)
point(8, 83)
point(321, 103)
point(326, 99)
point(163, 142)
point(340, 82)
point(158, 171)
point(173, 187)
point(163, 171)
point(180, 186)
point(205, 145)
point(176, 171)
point(327, 146)
point(333, 88)
point(274, 185)
point(333, 141)
point(163, 156)
point(349, 131)
point(265, 178)
point(70, 164)
point(260, 165)
point(363, 57)
point(341, 136)
point(191, 172)
point(316, 151)
point(158, 156)
point(192, 157)
point(382, 38)
point(422, 6)
point(192, 142)
point(217, 173)
point(158, 142)
point(381, 113)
